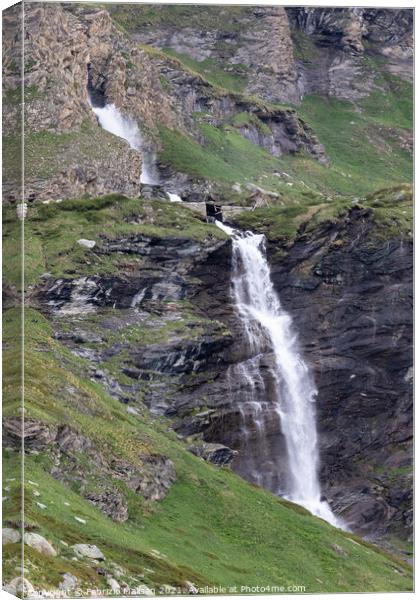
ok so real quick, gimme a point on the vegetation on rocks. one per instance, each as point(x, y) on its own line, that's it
point(233, 80)
point(391, 208)
point(52, 231)
point(225, 156)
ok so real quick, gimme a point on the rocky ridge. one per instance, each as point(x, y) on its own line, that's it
point(99, 59)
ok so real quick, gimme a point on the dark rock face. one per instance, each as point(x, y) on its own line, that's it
point(349, 291)
point(351, 299)
point(164, 276)
point(342, 38)
point(154, 482)
point(111, 502)
point(214, 453)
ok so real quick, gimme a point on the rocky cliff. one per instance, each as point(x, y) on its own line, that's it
point(99, 60)
point(349, 287)
point(287, 121)
point(179, 82)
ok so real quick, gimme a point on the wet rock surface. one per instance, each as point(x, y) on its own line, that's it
point(351, 298)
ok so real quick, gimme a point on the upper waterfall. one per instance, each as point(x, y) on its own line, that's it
point(111, 119)
point(264, 321)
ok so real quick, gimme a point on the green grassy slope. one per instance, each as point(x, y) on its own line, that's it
point(212, 529)
point(392, 209)
point(368, 143)
point(233, 80)
point(356, 142)
point(52, 231)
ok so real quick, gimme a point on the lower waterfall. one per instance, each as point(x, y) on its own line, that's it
point(292, 386)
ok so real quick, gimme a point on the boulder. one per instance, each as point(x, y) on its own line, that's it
point(39, 543)
point(111, 502)
point(339, 550)
point(89, 551)
point(86, 243)
point(153, 480)
point(114, 585)
point(19, 586)
point(10, 536)
point(69, 582)
point(217, 454)
point(157, 478)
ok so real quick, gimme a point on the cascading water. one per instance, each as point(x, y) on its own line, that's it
point(292, 389)
point(112, 120)
point(289, 381)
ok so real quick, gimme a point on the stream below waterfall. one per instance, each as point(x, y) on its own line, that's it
point(292, 389)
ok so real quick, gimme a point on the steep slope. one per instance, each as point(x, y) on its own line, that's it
point(100, 469)
point(346, 70)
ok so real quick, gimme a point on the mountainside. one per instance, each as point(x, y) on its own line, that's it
point(291, 122)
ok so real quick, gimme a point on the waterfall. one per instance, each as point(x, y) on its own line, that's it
point(111, 119)
point(291, 385)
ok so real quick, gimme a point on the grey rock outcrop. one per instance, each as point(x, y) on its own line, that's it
point(68, 154)
point(76, 153)
point(214, 453)
point(153, 480)
point(69, 582)
point(258, 42)
point(344, 40)
point(111, 502)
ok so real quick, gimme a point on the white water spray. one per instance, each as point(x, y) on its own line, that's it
point(265, 321)
point(111, 119)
